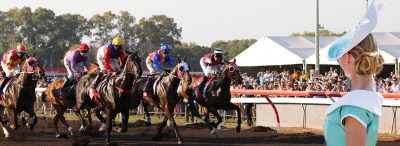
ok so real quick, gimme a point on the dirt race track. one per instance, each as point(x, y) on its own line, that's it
point(192, 134)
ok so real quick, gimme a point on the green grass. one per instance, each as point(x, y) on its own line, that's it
point(180, 120)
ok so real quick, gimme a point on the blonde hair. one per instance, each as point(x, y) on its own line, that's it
point(367, 58)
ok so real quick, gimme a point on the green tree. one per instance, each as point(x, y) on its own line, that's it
point(154, 31)
point(103, 27)
point(322, 32)
point(126, 28)
point(233, 47)
point(43, 25)
point(192, 52)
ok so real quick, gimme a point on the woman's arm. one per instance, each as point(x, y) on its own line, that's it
point(356, 134)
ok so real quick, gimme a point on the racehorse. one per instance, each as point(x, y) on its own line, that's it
point(62, 102)
point(20, 95)
point(217, 95)
point(113, 92)
point(166, 88)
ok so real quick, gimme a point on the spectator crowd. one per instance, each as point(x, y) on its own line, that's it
point(301, 81)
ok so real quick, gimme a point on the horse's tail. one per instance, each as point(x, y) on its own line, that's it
point(50, 95)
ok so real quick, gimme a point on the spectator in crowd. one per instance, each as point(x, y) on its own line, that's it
point(387, 85)
point(261, 77)
point(295, 75)
point(395, 88)
point(380, 85)
point(328, 81)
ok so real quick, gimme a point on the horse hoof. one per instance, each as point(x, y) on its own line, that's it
point(82, 129)
point(13, 127)
point(156, 138)
point(58, 135)
point(30, 126)
point(249, 123)
point(110, 143)
point(238, 129)
point(123, 130)
point(102, 127)
point(71, 131)
point(179, 142)
point(214, 133)
point(148, 123)
point(7, 136)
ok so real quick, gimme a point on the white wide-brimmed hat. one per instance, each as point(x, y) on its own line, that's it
point(364, 27)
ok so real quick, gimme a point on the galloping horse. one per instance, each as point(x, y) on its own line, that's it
point(166, 89)
point(217, 96)
point(21, 95)
point(113, 92)
point(62, 102)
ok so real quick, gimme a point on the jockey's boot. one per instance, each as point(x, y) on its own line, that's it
point(66, 83)
point(146, 90)
point(97, 80)
point(5, 80)
point(202, 84)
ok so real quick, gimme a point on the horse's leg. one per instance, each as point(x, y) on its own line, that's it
point(231, 106)
point(14, 118)
point(124, 122)
point(32, 115)
point(2, 123)
point(146, 111)
point(81, 118)
point(89, 117)
point(62, 119)
point(216, 114)
point(196, 112)
point(169, 113)
point(110, 117)
point(103, 121)
point(56, 119)
point(160, 128)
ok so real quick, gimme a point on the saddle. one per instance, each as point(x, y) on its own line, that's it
point(94, 94)
point(151, 93)
point(5, 89)
point(201, 95)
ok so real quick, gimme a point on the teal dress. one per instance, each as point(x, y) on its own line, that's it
point(364, 106)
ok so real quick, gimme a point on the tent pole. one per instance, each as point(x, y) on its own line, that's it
point(396, 67)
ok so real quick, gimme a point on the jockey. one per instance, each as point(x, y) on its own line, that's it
point(72, 59)
point(155, 61)
point(211, 64)
point(10, 62)
point(109, 58)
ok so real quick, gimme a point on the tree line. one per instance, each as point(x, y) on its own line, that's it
point(50, 35)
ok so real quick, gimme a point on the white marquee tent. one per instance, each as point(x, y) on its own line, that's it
point(286, 50)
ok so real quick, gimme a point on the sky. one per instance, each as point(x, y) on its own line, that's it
point(206, 21)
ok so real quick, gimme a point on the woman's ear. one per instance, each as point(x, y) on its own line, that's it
point(349, 58)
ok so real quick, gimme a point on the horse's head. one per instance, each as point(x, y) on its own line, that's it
point(32, 65)
point(183, 70)
point(232, 71)
point(133, 65)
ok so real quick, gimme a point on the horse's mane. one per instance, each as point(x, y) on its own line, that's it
point(221, 77)
point(94, 67)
